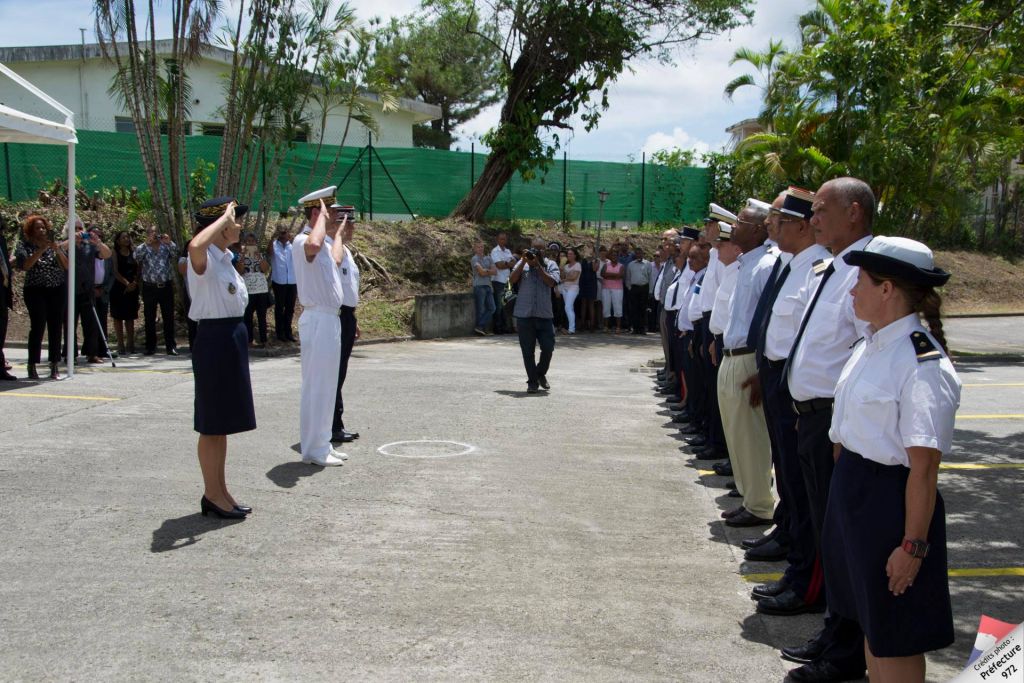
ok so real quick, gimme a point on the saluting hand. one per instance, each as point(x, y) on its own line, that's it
point(901, 569)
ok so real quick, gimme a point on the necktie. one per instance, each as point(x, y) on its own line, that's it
point(762, 304)
point(807, 316)
point(762, 330)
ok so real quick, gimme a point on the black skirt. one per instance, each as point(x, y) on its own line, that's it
point(220, 366)
point(863, 524)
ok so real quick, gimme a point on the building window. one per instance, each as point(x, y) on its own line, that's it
point(214, 129)
point(123, 124)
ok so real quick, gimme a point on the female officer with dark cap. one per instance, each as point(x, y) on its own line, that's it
point(220, 358)
point(884, 537)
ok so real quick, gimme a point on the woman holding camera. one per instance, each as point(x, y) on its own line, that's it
point(45, 265)
point(220, 360)
point(254, 269)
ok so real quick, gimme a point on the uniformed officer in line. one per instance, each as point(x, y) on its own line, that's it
point(742, 415)
point(895, 404)
point(844, 210)
point(803, 584)
point(728, 254)
point(674, 387)
point(689, 324)
point(220, 356)
point(661, 283)
point(349, 271)
point(674, 297)
point(317, 253)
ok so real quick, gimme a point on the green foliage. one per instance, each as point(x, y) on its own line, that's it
point(199, 178)
point(924, 99)
point(443, 57)
point(674, 158)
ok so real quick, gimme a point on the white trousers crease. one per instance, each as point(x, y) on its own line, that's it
point(320, 334)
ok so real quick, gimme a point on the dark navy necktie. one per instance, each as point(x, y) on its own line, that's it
point(762, 331)
point(762, 304)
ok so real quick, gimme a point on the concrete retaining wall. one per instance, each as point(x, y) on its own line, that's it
point(443, 315)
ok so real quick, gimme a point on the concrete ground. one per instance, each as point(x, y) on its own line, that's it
point(477, 532)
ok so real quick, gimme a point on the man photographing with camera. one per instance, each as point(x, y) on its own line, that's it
point(536, 276)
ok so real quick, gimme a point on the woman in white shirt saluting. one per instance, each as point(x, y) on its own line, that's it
point(220, 359)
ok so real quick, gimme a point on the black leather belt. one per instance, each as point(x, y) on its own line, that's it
point(815, 405)
point(775, 364)
point(740, 351)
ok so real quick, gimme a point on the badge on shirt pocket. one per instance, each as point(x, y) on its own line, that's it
point(232, 288)
point(344, 271)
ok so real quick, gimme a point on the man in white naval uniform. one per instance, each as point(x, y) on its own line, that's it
point(317, 253)
point(349, 272)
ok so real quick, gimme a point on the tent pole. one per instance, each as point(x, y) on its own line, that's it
point(72, 252)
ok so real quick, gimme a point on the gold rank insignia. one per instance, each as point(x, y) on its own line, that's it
point(924, 348)
point(821, 265)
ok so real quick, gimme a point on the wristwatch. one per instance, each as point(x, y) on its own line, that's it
point(915, 547)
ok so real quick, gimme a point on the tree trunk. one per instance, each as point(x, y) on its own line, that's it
point(497, 172)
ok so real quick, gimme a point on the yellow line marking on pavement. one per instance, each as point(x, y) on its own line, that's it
point(63, 396)
point(953, 573)
point(981, 466)
point(1009, 416)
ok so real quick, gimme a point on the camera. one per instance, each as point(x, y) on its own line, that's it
point(347, 212)
point(536, 253)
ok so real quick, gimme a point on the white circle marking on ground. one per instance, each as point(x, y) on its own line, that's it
point(466, 448)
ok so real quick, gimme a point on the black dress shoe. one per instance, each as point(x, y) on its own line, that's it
point(7, 377)
point(690, 429)
point(723, 469)
point(243, 508)
point(823, 671)
point(772, 551)
point(728, 514)
point(343, 436)
point(206, 507)
point(532, 389)
point(673, 399)
point(696, 441)
point(768, 590)
point(705, 453)
point(543, 382)
point(681, 418)
point(172, 352)
point(748, 543)
point(731, 485)
point(787, 604)
point(804, 654)
point(682, 407)
point(734, 494)
point(746, 518)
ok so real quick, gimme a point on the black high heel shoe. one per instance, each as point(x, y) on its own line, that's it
point(206, 507)
point(243, 508)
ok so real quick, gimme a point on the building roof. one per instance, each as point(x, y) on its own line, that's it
point(85, 51)
point(739, 125)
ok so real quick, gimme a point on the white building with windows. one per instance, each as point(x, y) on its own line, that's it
point(79, 77)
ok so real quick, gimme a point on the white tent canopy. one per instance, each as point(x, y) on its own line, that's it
point(17, 126)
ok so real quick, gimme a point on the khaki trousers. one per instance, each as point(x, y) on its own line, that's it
point(746, 434)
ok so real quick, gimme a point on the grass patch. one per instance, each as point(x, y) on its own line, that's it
point(382, 318)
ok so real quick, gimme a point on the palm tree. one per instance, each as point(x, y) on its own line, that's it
point(767, 65)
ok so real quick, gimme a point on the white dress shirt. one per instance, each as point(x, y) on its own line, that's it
point(675, 292)
point(683, 320)
point(726, 286)
point(282, 269)
point(694, 312)
point(888, 399)
point(220, 291)
point(709, 289)
point(501, 254)
point(789, 306)
point(831, 330)
point(319, 282)
point(349, 272)
point(755, 269)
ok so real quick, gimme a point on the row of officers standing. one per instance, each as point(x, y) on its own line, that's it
point(327, 280)
point(798, 344)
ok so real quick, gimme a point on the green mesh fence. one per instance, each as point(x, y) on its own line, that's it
point(388, 182)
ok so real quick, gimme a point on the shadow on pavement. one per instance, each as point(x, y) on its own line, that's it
point(287, 474)
point(180, 532)
point(519, 394)
point(23, 383)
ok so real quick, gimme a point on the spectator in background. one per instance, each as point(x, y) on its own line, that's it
point(45, 265)
point(483, 294)
point(611, 294)
point(156, 258)
point(587, 295)
point(654, 267)
point(598, 266)
point(638, 282)
point(571, 272)
point(6, 300)
point(503, 260)
point(124, 292)
point(282, 275)
point(93, 276)
point(254, 268)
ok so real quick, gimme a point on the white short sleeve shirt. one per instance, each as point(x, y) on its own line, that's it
point(220, 291)
point(318, 282)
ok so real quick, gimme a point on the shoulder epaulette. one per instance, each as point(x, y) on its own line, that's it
point(924, 348)
point(821, 265)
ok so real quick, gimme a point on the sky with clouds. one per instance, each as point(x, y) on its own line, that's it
point(654, 107)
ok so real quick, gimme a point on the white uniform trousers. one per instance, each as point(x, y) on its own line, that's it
point(320, 333)
point(746, 434)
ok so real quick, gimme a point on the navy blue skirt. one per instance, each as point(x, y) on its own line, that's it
point(220, 366)
point(864, 522)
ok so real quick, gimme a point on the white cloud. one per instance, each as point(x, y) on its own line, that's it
point(679, 138)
